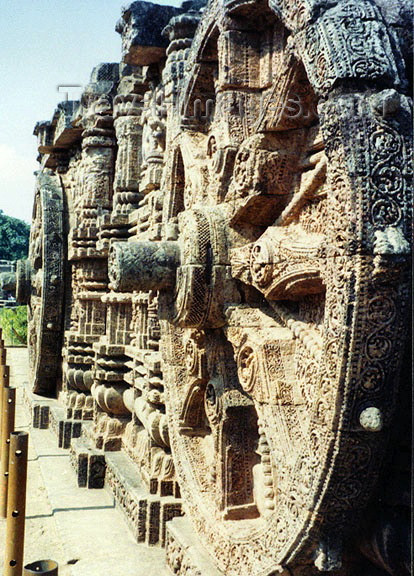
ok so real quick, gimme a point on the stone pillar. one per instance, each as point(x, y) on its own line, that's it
point(92, 192)
point(111, 363)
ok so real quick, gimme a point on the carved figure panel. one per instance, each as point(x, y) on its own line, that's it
point(267, 289)
point(240, 224)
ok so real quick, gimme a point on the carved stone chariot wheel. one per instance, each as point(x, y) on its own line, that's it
point(40, 284)
point(282, 279)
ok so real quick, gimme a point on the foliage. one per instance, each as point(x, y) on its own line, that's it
point(14, 324)
point(14, 238)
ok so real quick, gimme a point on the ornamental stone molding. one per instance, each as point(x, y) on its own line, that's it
point(219, 282)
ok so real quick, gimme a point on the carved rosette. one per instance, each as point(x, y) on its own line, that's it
point(45, 282)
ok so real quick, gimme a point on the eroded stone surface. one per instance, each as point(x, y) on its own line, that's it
point(237, 278)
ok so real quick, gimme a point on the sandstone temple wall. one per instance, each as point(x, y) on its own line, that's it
point(219, 283)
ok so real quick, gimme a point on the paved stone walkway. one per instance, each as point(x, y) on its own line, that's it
point(79, 528)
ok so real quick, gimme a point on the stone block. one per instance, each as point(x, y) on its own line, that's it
point(147, 514)
point(89, 464)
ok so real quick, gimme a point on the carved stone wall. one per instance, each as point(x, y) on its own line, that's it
point(219, 281)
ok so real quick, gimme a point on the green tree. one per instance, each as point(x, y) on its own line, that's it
point(14, 238)
point(14, 324)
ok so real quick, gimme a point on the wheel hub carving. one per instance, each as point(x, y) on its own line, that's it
point(283, 283)
point(191, 273)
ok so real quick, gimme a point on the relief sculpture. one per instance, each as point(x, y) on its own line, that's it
point(219, 282)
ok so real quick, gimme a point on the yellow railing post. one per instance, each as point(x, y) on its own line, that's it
point(7, 427)
point(16, 504)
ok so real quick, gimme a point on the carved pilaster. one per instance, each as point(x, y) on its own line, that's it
point(91, 196)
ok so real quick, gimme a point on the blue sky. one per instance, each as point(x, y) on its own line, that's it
point(44, 43)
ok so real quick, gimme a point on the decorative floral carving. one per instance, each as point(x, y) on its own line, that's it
point(247, 187)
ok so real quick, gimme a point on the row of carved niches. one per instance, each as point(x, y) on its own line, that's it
point(89, 314)
point(88, 284)
point(118, 318)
